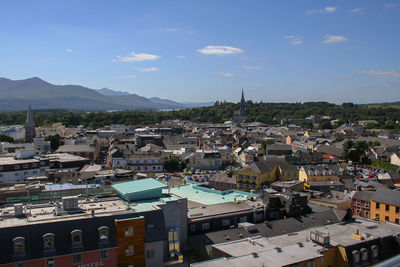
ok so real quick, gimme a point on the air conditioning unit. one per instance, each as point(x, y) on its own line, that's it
point(70, 203)
point(319, 238)
point(18, 210)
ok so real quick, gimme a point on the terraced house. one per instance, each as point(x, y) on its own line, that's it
point(385, 206)
point(319, 173)
point(264, 172)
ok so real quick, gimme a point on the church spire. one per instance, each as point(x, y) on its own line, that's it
point(242, 105)
point(30, 132)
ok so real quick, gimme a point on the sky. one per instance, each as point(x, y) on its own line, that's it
point(203, 51)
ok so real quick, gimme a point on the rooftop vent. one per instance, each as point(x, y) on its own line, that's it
point(278, 249)
point(249, 227)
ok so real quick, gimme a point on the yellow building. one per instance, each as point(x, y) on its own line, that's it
point(385, 206)
point(264, 172)
point(319, 173)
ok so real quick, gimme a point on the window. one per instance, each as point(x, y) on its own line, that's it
point(192, 227)
point(243, 219)
point(396, 221)
point(377, 216)
point(397, 209)
point(50, 262)
point(76, 237)
point(104, 254)
point(375, 251)
point(150, 254)
point(310, 264)
point(366, 215)
point(364, 254)
point(16, 167)
point(356, 256)
point(129, 250)
point(378, 206)
point(205, 226)
point(225, 222)
point(19, 245)
point(25, 166)
point(386, 218)
point(367, 204)
point(48, 241)
point(20, 264)
point(387, 207)
point(103, 233)
point(77, 259)
point(129, 231)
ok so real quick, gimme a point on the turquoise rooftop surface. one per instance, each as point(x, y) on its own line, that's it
point(206, 196)
point(150, 204)
point(138, 186)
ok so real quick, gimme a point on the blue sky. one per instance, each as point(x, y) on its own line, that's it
point(284, 51)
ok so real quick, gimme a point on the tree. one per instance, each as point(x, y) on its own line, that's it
point(6, 138)
point(325, 124)
point(54, 141)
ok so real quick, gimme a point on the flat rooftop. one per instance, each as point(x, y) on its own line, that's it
point(206, 196)
point(258, 250)
point(222, 209)
point(45, 212)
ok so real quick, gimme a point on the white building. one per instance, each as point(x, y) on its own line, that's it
point(141, 162)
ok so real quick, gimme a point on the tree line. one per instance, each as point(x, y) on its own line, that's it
point(386, 117)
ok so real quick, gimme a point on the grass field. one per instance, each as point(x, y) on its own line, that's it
point(384, 165)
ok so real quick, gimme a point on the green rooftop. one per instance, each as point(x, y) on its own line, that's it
point(139, 189)
point(206, 196)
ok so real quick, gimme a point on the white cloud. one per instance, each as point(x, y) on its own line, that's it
point(330, 9)
point(172, 29)
point(380, 74)
point(251, 68)
point(357, 10)
point(224, 74)
point(219, 50)
point(330, 39)
point(181, 57)
point(147, 69)
point(127, 76)
point(294, 40)
point(136, 57)
point(69, 50)
point(327, 9)
point(388, 6)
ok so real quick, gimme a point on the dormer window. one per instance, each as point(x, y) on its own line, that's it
point(103, 233)
point(76, 237)
point(19, 245)
point(48, 241)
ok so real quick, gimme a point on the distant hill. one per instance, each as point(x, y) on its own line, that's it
point(198, 105)
point(167, 102)
point(109, 92)
point(18, 94)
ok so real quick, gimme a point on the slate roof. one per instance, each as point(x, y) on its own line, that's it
point(75, 148)
point(333, 150)
point(387, 196)
point(277, 227)
point(363, 195)
point(223, 177)
point(262, 166)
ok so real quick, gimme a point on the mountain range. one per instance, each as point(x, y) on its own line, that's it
point(18, 94)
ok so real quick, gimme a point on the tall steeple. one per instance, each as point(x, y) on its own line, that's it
point(30, 132)
point(242, 105)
